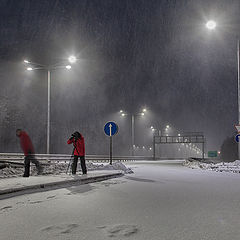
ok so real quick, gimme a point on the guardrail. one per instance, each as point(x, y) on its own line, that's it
point(66, 157)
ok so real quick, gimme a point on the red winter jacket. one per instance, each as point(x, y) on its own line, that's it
point(79, 146)
point(26, 143)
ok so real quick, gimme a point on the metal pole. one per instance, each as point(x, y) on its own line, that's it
point(48, 112)
point(238, 76)
point(159, 145)
point(110, 150)
point(203, 150)
point(133, 135)
point(154, 150)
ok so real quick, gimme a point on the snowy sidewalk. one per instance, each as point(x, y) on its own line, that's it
point(13, 185)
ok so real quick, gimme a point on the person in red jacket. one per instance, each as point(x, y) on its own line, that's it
point(79, 151)
point(28, 150)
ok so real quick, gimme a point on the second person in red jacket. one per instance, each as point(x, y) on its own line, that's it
point(28, 150)
point(79, 151)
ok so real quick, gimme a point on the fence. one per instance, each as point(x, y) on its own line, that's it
point(52, 158)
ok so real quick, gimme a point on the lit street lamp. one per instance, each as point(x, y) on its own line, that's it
point(211, 25)
point(155, 130)
point(72, 59)
point(123, 114)
point(35, 66)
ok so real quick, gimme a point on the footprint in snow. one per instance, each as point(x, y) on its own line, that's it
point(49, 197)
point(35, 202)
point(120, 230)
point(4, 209)
point(60, 229)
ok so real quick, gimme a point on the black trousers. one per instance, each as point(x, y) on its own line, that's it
point(83, 164)
point(27, 160)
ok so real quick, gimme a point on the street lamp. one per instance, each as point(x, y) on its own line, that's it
point(37, 66)
point(72, 59)
point(155, 130)
point(123, 114)
point(212, 25)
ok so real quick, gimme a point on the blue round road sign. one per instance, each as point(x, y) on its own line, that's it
point(237, 138)
point(110, 128)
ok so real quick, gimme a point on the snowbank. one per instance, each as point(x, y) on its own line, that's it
point(59, 168)
point(118, 166)
point(233, 167)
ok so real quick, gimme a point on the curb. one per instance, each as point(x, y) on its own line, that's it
point(47, 186)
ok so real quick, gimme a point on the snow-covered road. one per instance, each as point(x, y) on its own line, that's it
point(160, 201)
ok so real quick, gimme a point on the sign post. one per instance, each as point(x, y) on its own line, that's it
point(110, 151)
point(110, 129)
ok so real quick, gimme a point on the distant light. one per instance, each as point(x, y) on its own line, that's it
point(150, 148)
point(144, 110)
point(29, 69)
point(152, 127)
point(72, 59)
point(26, 61)
point(179, 134)
point(68, 67)
point(142, 114)
point(143, 147)
point(167, 126)
point(121, 111)
point(211, 24)
point(219, 152)
point(123, 114)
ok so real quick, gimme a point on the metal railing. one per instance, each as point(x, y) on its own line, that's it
point(16, 157)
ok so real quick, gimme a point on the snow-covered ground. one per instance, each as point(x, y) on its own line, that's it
point(159, 201)
point(233, 167)
point(59, 168)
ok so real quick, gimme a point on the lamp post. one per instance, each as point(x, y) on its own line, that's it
point(36, 66)
point(159, 132)
point(156, 130)
point(133, 126)
point(211, 25)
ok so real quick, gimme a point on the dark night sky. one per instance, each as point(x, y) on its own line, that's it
point(132, 53)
